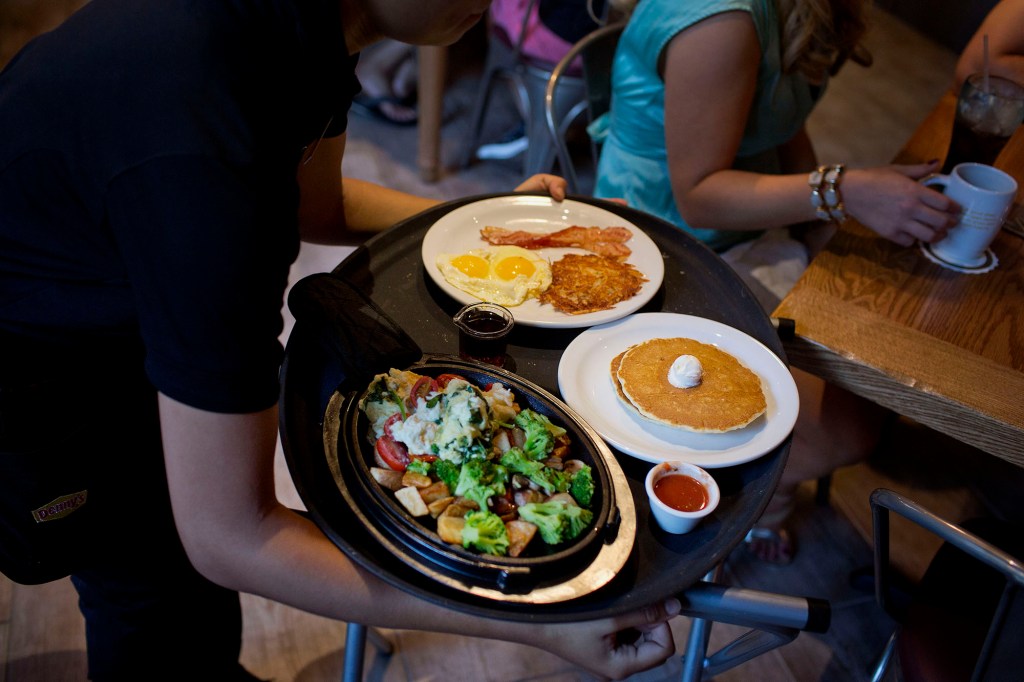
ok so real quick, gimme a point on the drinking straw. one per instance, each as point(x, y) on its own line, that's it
point(984, 62)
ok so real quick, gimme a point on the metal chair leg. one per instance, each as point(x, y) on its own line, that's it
point(479, 108)
point(570, 100)
point(884, 659)
point(356, 635)
point(774, 619)
point(749, 645)
point(381, 643)
point(696, 650)
point(355, 643)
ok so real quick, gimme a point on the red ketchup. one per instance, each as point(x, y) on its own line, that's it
point(681, 492)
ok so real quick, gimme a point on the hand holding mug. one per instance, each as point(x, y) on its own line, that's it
point(985, 195)
point(892, 202)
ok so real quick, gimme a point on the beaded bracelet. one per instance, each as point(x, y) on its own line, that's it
point(815, 181)
point(825, 195)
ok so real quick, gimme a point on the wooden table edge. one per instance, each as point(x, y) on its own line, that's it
point(908, 372)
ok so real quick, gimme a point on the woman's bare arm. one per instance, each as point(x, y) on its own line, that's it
point(710, 77)
point(337, 210)
point(333, 210)
point(1004, 26)
point(220, 474)
point(710, 74)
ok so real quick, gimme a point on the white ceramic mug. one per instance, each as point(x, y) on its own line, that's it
point(986, 195)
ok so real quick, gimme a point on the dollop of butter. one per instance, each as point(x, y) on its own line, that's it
point(685, 372)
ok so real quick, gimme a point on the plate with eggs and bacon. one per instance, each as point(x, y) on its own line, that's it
point(553, 264)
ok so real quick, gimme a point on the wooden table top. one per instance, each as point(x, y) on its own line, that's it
point(941, 347)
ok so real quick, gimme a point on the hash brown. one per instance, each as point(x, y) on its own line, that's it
point(588, 283)
point(730, 395)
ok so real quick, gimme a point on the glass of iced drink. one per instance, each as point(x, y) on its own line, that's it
point(988, 111)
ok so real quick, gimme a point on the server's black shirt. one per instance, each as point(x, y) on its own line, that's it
point(148, 151)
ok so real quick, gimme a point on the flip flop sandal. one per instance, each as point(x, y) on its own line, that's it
point(371, 107)
point(770, 546)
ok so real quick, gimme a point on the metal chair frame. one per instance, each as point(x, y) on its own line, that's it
point(884, 501)
point(597, 50)
point(356, 635)
point(774, 620)
point(527, 79)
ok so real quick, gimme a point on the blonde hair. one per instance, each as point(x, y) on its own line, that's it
point(818, 36)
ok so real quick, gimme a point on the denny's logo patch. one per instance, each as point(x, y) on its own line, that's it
point(60, 507)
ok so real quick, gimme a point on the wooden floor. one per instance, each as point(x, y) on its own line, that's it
point(864, 117)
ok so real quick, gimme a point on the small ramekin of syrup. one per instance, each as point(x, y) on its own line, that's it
point(483, 328)
point(680, 495)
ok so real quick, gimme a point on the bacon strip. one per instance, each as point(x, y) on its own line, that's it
point(604, 241)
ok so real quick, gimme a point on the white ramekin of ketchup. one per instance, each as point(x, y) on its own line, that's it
point(681, 495)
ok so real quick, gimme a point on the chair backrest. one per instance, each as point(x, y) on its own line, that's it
point(951, 598)
point(597, 52)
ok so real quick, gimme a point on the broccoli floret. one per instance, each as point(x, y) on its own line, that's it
point(540, 433)
point(448, 472)
point(551, 480)
point(582, 486)
point(516, 460)
point(485, 532)
point(557, 521)
point(479, 479)
point(418, 466)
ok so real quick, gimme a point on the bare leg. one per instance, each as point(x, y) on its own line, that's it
point(835, 428)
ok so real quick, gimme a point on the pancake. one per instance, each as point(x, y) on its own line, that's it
point(616, 361)
point(730, 395)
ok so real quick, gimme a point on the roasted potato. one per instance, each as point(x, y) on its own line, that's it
point(411, 478)
point(519, 535)
point(435, 491)
point(412, 501)
point(450, 528)
point(387, 478)
point(438, 506)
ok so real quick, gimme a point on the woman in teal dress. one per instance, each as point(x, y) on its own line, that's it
point(707, 131)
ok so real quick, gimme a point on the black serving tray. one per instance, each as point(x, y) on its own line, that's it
point(388, 270)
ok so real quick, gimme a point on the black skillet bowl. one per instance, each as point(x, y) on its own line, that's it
point(364, 342)
point(540, 562)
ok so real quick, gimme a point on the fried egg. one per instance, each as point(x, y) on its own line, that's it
point(506, 275)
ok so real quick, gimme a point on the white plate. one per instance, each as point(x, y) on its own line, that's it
point(459, 231)
point(585, 382)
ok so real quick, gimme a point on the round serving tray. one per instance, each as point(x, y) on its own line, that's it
point(388, 270)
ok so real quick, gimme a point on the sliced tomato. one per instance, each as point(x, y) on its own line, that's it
point(423, 387)
point(443, 379)
point(392, 453)
point(391, 421)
